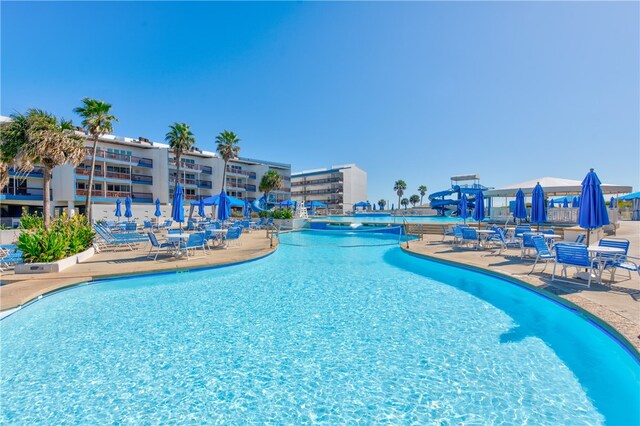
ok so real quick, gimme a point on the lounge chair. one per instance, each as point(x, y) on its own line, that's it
point(521, 229)
point(571, 255)
point(117, 240)
point(527, 244)
point(543, 252)
point(233, 234)
point(195, 241)
point(155, 244)
point(457, 234)
point(10, 256)
point(470, 236)
point(447, 232)
point(504, 242)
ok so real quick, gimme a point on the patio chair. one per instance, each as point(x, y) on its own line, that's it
point(611, 261)
point(195, 241)
point(469, 236)
point(457, 234)
point(576, 256)
point(521, 229)
point(233, 234)
point(447, 232)
point(155, 244)
point(527, 244)
point(506, 243)
point(10, 256)
point(191, 225)
point(543, 252)
point(131, 227)
point(146, 224)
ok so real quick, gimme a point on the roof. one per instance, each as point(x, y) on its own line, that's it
point(332, 169)
point(554, 186)
point(460, 178)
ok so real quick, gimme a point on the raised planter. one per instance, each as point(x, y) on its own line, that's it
point(60, 265)
point(290, 223)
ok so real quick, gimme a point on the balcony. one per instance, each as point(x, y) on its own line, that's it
point(191, 166)
point(317, 192)
point(11, 193)
point(318, 181)
point(250, 175)
point(131, 159)
point(185, 196)
point(142, 179)
point(251, 188)
point(36, 172)
point(235, 185)
point(204, 184)
point(206, 170)
point(140, 197)
point(101, 173)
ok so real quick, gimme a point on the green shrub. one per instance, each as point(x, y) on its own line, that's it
point(282, 214)
point(31, 221)
point(264, 214)
point(65, 237)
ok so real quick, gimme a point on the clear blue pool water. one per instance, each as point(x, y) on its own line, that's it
point(332, 328)
point(388, 219)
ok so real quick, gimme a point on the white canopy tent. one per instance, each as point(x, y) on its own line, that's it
point(553, 187)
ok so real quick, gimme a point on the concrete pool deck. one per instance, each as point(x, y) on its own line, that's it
point(617, 304)
point(17, 290)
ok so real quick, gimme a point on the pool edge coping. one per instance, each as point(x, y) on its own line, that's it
point(5, 313)
point(596, 321)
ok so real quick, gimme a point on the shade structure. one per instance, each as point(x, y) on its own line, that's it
point(177, 210)
point(118, 211)
point(565, 203)
point(201, 212)
point(592, 213)
point(520, 210)
point(127, 207)
point(463, 208)
point(633, 196)
point(552, 204)
point(247, 209)
point(553, 186)
point(538, 212)
point(575, 202)
point(362, 204)
point(478, 211)
point(635, 213)
point(224, 207)
point(157, 213)
point(213, 201)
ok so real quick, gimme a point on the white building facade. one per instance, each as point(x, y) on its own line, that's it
point(141, 169)
point(338, 186)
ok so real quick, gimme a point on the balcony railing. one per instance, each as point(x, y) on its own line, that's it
point(318, 191)
point(250, 175)
point(35, 172)
point(251, 188)
point(135, 196)
point(191, 166)
point(132, 159)
point(204, 184)
point(142, 179)
point(186, 196)
point(34, 192)
point(318, 181)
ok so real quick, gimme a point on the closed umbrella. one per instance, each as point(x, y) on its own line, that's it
point(201, 212)
point(463, 208)
point(565, 203)
point(393, 207)
point(127, 207)
point(157, 213)
point(575, 202)
point(593, 209)
point(118, 212)
point(538, 213)
point(374, 207)
point(612, 203)
point(177, 211)
point(520, 210)
point(552, 204)
point(247, 209)
point(478, 211)
point(224, 207)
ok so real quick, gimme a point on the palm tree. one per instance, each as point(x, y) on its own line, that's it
point(271, 181)
point(97, 120)
point(399, 187)
point(180, 139)
point(414, 199)
point(404, 202)
point(381, 204)
point(228, 149)
point(37, 138)
point(423, 191)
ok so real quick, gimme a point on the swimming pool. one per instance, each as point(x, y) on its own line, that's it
point(387, 219)
point(332, 328)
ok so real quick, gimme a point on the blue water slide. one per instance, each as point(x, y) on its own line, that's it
point(255, 206)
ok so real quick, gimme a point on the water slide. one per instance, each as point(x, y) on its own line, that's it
point(447, 206)
point(258, 204)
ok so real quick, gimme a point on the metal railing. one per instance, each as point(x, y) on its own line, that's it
point(108, 155)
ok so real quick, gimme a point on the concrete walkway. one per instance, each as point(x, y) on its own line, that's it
point(616, 303)
point(17, 290)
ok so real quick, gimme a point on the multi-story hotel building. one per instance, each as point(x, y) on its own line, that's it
point(141, 169)
point(338, 186)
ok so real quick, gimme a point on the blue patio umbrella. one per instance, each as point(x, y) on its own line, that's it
point(118, 212)
point(575, 202)
point(463, 208)
point(520, 209)
point(565, 203)
point(177, 210)
point(552, 204)
point(592, 213)
point(538, 212)
point(374, 206)
point(612, 203)
point(393, 207)
point(201, 212)
point(224, 207)
point(157, 213)
point(127, 207)
point(381, 206)
point(247, 209)
point(478, 211)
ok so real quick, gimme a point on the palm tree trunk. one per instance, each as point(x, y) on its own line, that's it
point(87, 203)
point(224, 176)
point(46, 193)
point(421, 197)
point(399, 196)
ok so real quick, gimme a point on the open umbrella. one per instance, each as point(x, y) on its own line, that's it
point(224, 207)
point(157, 213)
point(575, 202)
point(177, 211)
point(478, 211)
point(118, 212)
point(538, 213)
point(520, 210)
point(463, 207)
point(593, 209)
point(127, 207)
point(201, 212)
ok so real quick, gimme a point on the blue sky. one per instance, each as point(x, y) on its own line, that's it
point(413, 91)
